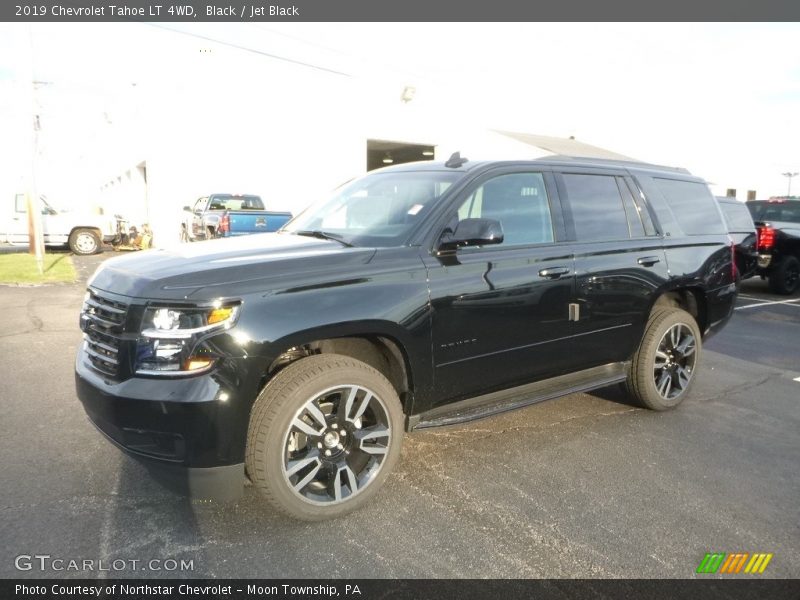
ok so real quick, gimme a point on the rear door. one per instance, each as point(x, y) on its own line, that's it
point(619, 262)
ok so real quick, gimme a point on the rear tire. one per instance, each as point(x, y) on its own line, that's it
point(84, 242)
point(785, 278)
point(663, 368)
point(324, 434)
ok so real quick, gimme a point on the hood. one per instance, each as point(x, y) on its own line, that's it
point(210, 269)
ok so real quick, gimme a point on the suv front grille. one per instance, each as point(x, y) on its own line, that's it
point(103, 323)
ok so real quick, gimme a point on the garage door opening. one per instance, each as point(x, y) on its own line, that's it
point(384, 153)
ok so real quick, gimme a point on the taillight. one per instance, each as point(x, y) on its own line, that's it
point(734, 270)
point(766, 238)
point(225, 224)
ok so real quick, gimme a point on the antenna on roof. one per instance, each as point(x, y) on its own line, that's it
point(455, 161)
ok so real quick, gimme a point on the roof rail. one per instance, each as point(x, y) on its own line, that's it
point(613, 161)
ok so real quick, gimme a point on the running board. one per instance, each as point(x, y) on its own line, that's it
point(517, 397)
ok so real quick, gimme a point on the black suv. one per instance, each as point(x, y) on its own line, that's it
point(419, 295)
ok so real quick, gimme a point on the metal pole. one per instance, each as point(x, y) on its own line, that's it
point(789, 175)
point(36, 236)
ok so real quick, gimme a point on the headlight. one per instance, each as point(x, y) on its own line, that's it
point(171, 337)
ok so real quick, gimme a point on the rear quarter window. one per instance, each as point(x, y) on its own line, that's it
point(737, 216)
point(691, 203)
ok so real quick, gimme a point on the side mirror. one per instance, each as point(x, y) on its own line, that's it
point(187, 208)
point(473, 232)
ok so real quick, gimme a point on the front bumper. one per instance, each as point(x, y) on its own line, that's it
point(192, 429)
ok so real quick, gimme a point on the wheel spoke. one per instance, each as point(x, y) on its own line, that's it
point(674, 336)
point(362, 405)
point(352, 482)
point(683, 377)
point(373, 433)
point(687, 346)
point(664, 383)
point(301, 425)
point(294, 466)
point(308, 478)
point(316, 413)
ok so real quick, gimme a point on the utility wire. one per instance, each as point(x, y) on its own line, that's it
point(252, 50)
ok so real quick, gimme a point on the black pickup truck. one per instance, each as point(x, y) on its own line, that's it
point(419, 295)
point(778, 242)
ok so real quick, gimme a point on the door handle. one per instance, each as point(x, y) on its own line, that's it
point(553, 272)
point(648, 261)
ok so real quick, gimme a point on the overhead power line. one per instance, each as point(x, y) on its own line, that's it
point(251, 50)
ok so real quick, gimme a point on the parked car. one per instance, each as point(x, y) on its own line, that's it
point(83, 233)
point(420, 295)
point(742, 232)
point(778, 242)
point(224, 215)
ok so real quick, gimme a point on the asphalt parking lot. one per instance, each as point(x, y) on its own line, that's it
point(583, 486)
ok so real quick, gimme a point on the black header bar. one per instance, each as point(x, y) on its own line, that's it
point(398, 10)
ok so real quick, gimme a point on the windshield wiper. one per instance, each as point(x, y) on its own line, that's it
point(323, 235)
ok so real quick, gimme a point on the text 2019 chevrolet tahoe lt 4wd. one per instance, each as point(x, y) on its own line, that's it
point(419, 295)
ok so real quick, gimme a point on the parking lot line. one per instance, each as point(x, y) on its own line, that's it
point(756, 298)
point(797, 379)
point(760, 304)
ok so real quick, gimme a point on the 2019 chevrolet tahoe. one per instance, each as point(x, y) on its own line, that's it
point(419, 295)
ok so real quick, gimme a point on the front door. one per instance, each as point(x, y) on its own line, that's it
point(500, 312)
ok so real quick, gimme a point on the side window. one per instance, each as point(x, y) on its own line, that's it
point(597, 209)
point(692, 205)
point(200, 204)
point(519, 201)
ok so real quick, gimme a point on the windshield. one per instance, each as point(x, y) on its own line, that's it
point(379, 209)
point(776, 210)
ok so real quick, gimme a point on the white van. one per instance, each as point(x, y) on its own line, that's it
point(83, 233)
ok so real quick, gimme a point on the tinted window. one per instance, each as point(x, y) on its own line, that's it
point(692, 205)
point(737, 216)
point(775, 211)
point(519, 202)
point(233, 202)
point(597, 209)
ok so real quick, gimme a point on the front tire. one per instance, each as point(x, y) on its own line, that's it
point(324, 434)
point(84, 242)
point(663, 368)
point(785, 278)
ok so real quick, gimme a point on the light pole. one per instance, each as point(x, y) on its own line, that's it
point(789, 174)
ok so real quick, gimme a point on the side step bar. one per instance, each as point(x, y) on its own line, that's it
point(502, 401)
